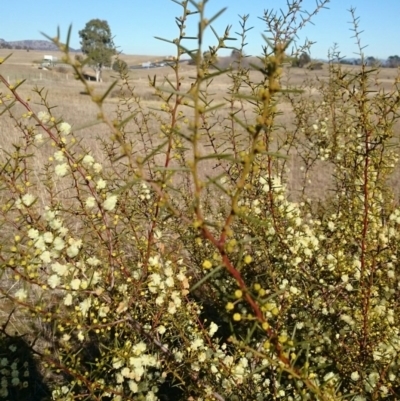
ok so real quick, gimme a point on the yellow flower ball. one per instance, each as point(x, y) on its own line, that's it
point(248, 259)
point(237, 317)
point(207, 264)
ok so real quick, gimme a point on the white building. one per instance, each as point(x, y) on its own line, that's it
point(48, 60)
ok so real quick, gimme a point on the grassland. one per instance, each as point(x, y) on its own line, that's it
point(67, 94)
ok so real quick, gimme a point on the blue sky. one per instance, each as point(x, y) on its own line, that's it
point(135, 23)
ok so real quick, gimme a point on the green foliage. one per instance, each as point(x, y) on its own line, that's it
point(302, 60)
point(97, 43)
point(177, 263)
point(393, 61)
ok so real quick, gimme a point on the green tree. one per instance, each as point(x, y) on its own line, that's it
point(393, 61)
point(97, 44)
point(372, 61)
point(302, 60)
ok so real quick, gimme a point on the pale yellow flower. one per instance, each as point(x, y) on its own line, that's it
point(212, 329)
point(38, 139)
point(21, 294)
point(55, 224)
point(33, 233)
point(117, 363)
point(59, 269)
point(96, 277)
point(40, 244)
point(139, 348)
point(110, 202)
point(126, 372)
point(97, 167)
point(44, 116)
point(58, 244)
point(159, 299)
point(101, 184)
point(61, 169)
point(75, 283)
point(28, 199)
point(93, 261)
point(88, 160)
point(46, 257)
point(133, 386)
point(169, 281)
point(85, 305)
point(72, 251)
point(68, 300)
point(168, 271)
point(196, 344)
point(66, 337)
point(59, 156)
point(63, 231)
point(64, 128)
point(90, 202)
point(53, 281)
point(48, 237)
point(119, 378)
point(172, 308)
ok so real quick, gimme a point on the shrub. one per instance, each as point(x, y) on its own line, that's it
point(315, 66)
point(178, 264)
point(61, 69)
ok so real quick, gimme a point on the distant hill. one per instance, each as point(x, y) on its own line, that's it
point(43, 45)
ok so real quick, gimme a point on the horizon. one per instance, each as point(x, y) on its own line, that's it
point(329, 25)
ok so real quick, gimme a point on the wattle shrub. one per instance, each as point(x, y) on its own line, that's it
point(181, 261)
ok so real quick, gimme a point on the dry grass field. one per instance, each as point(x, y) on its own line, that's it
point(74, 106)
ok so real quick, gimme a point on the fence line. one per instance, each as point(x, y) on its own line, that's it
point(39, 76)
